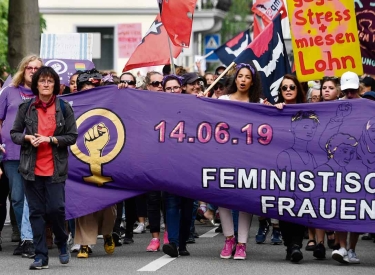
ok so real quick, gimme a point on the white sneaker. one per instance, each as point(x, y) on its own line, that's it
point(70, 239)
point(352, 257)
point(140, 229)
point(75, 248)
point(340, 255)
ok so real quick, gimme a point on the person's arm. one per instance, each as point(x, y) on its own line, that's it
point(200, 71)
point(17, 132)
point(71, 133)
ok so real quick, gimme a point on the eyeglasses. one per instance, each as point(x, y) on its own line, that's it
point(221, 87)
point(174, 88)
point(130, 82)
point(156, 83)
point(29, 68)
point(46, 81)
point(316, 98)
point(291, 87)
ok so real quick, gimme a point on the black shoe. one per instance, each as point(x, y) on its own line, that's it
point(288, 254)
point(16, 236)
point(191, 238)
point(19, 248)
point(127, 240)
point(320, 251)
point(295, 254)
point(28, 250)
point(183, 252)
point(196, 234)
point(171, 250)
point(39, 264)
point(310, 247)
point(335, 247)
point(116, 238)
point(219, 229)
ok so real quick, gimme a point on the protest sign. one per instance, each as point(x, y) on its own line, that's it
point(308, 163)
point(67, 46)
point(324, 38)
point(65, 68)
point(365, 12)
point(129, 37)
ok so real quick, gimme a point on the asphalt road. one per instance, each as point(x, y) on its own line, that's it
point(130, 259)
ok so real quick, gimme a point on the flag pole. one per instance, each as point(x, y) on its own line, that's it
point(207, 55)
point(218, 78)
point(171, 56)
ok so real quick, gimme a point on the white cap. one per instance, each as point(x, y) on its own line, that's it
point(349, 80)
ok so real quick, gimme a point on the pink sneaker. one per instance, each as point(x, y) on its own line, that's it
point(154, 245)
point(165, 239)
point(229, 245)
point(240, 252)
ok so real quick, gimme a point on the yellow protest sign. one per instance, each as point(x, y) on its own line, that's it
point(324, 38)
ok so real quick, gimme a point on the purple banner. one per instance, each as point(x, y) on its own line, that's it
point(65, 68)
point(365, 13)
point(309, 163)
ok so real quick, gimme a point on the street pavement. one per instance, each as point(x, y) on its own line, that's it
point(132, 259)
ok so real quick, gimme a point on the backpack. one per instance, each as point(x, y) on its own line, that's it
point(62, 106)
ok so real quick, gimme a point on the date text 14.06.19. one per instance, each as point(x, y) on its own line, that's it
point(219, 133)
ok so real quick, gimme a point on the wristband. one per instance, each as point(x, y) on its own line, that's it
point(50, 140)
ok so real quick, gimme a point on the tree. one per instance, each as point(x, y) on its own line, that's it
point(235, 19)
point(23, 30)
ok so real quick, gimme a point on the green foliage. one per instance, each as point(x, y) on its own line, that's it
point(4, 6)
point(3, 35)
point(235, 20)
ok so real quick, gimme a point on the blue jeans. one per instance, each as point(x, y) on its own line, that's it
point(194, 215)
point(26, 231)
point(179, 212)
point(16, 188)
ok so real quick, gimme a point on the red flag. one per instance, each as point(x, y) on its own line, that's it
point(153, 49)
point(177, 18)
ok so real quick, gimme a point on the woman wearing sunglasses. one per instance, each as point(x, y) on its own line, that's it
point(246, 87)
point(127, 80)
point(154, 81)
point(290, 92)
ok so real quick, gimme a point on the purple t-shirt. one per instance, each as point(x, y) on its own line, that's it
point(10, 99)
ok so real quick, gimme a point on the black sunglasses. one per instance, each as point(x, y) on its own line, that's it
point(221, 87)
point(291, 87)
point(130, 82)
point(156, 83)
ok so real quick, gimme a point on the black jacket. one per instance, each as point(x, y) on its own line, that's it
point(26, 123)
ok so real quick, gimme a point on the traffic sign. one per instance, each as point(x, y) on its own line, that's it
point(212, 42)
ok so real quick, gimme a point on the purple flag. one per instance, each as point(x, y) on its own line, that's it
point(365, 20)
point(312, 164)
point(65, 68)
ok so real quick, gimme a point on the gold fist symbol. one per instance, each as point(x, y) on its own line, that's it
point(96, 138)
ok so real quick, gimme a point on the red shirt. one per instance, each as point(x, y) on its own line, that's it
point(44, 165)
